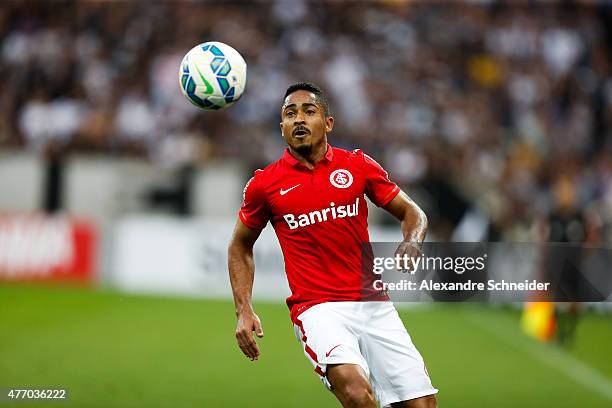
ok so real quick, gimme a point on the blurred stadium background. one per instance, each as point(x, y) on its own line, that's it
point(117, 196)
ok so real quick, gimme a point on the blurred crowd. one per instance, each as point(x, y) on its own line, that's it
point(495, 116)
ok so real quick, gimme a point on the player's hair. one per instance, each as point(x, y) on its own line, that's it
point(310, 87)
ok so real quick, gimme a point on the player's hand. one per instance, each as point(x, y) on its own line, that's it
point(411, 250)
point(248, 322)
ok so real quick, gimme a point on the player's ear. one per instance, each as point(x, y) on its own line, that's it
point(329, 124)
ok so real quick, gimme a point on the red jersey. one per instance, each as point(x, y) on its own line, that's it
point(321, 220)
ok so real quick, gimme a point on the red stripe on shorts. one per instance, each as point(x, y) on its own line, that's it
point(310, 351)
point(319, 371)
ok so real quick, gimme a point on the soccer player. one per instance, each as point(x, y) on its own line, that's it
point(314, 198)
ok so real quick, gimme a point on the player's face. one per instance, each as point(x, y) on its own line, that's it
point(304, 124)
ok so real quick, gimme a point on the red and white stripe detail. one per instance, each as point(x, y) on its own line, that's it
point(310, 351)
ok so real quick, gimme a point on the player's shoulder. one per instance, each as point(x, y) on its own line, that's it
point(341, 154)
point(365, 163)
point(357, 156)
point(263, 177)
point(267, 171)
point(356, 160)
point(271, 170)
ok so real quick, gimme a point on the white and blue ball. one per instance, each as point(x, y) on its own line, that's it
point(212, 75)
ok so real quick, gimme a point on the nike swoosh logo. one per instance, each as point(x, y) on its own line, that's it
point(283, 192)
point(209, 89)
point(332, 349)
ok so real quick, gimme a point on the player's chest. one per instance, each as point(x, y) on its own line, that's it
point(309, 190)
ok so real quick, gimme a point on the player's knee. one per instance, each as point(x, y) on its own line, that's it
point(428, 401)
point(359, 395)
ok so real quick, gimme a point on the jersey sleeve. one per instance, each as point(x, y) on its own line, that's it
point(254, 212)
point(379, 188)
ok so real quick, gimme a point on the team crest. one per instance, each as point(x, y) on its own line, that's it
point(341, 178)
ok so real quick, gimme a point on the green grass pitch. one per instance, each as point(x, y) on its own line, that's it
point(115, 350)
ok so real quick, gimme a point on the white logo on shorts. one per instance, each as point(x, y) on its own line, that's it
point(341, 178)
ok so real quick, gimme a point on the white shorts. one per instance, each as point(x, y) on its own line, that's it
point(371, 335)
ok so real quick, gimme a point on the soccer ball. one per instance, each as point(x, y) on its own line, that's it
point(212, 75)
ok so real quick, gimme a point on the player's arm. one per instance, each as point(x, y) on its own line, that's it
point(242, 271)
point(413, 224)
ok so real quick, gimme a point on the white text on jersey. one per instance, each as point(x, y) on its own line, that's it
point(331, 212)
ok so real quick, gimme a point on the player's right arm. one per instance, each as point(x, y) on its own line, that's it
point(253, 217)
point(242, 271)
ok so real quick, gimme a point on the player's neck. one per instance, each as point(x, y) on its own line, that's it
point(316, 155)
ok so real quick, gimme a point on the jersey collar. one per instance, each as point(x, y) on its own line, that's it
point(292, 161)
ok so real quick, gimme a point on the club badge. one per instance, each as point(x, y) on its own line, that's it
point(341, 178)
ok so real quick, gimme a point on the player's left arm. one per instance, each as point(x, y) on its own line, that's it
point(413, 220)
point(413, 224)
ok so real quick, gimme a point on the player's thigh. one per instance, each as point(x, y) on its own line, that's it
point(397, 369)
point(350, 384)
point(343, 375)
